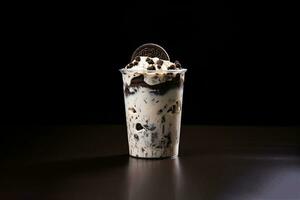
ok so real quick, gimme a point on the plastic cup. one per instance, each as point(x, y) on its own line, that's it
point(153, 107)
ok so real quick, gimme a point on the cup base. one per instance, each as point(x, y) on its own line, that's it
point(154, 158)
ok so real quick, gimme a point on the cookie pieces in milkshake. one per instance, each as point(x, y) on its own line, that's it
point(147, 63)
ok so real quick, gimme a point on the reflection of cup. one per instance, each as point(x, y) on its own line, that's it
point(153, 102)
point(154, 179)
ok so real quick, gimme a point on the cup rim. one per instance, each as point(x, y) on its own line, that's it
point(153, 71)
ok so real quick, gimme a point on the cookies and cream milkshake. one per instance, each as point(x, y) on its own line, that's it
point(153, 89)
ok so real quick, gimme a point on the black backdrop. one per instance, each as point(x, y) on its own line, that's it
point(64, 60)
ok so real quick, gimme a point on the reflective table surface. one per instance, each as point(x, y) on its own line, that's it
point(91, 162)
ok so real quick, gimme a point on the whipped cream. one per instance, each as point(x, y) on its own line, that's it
point(154, 70)
point(143, 63)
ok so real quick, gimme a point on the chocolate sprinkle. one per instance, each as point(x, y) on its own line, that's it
point(172, 109)
point(149, 60)
point(130, 65)
point(138, 127)
point(151, 67)
point(138, 58)
point(160, 62)
point(136, 137)
point(168, 138)
point(163, 119)
point(177, 63)
point(172, 67)
point(132, 109)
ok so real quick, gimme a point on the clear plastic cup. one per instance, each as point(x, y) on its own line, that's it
point(153, 106)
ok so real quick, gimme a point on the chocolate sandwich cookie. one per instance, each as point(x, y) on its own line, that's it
point(150, 50)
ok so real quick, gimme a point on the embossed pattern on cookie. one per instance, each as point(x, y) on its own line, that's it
point(150, 50)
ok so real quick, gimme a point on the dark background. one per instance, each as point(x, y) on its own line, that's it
point(60, 67)
point(63, 60)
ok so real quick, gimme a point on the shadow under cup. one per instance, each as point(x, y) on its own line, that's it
point(153, 103)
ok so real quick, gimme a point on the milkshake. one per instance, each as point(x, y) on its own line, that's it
point(153, 89)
